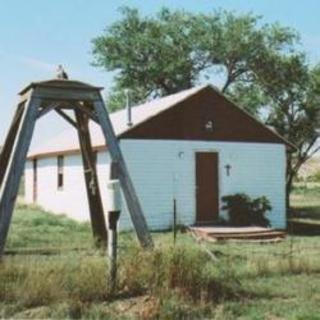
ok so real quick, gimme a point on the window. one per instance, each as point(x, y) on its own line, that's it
point(60, 172)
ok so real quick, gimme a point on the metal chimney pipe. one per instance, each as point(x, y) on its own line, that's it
point(129, 111)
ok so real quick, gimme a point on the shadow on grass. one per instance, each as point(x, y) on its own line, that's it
point(303, 227)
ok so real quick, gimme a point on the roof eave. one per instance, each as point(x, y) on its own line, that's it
point(73, 84)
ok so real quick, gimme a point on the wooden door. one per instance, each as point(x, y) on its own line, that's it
point(207, 187)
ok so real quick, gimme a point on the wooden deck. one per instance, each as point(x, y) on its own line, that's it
point(238, 234)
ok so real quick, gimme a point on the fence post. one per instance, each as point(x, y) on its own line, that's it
point(174, 221)
point(114, 209)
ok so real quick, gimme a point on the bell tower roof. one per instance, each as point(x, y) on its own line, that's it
point(61, 89)
point(61, 84)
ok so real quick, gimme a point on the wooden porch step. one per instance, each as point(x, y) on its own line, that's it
point(242, 236)
point(237, 230)
point(257, 241)
point(247, 233)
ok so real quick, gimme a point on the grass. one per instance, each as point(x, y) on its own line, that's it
point(249, 281)
point(33, 228)
point(305, 213)
point(305, 201)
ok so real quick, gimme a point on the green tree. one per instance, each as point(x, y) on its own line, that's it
point(117, 97)
point(152, 56)
point(291, 91)
point(234, 44)
point(156, 56)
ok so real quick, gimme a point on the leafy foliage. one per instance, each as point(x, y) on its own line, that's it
point(117, 99)
point(291, 91)
point(244, 211)
point(153, 56)
point(156, 56)
point(237, 43)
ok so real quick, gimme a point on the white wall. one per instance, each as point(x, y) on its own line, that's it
point(159, 174)
point(28, 189)
point(71, 199)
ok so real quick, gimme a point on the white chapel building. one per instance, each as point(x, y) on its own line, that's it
point(195, 146)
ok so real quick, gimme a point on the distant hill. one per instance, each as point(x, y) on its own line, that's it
point(310, 168)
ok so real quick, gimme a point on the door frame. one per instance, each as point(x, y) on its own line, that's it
point(206, 150)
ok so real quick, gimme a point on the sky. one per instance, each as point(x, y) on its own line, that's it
point(37, 35)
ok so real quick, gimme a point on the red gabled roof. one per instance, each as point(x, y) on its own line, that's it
point(177, 116)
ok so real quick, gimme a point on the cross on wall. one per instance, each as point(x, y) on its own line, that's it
point(228, 169)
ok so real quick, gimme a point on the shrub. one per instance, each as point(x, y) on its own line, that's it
point(186, 271)
point(244, 211)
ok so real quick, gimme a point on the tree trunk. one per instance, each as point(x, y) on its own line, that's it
point(292, 171)
point(290, 175)
point(288, 192)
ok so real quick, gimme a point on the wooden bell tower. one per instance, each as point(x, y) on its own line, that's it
point(86, 103)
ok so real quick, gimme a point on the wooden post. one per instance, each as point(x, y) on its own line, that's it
point(98, 223)
point(113, 174)
point(174, 221)
point(132, 200)
point(10, 186)
point(9, 142)
point(114, 209)
point(112, 253)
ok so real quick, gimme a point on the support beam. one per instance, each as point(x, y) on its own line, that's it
point(132, 200)
point(66, 117)
point(87, 109)
point(98, 223)
point(113, 174)
point(10, 186)
point(47, 109)
point(9, 142)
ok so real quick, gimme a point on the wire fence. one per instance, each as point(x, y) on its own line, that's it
point(291, 246)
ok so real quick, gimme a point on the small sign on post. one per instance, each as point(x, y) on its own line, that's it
point(114, 209)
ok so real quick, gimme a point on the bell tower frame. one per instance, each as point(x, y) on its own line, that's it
point(86, 103)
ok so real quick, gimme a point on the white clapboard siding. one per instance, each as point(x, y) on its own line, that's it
point(159, 175)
